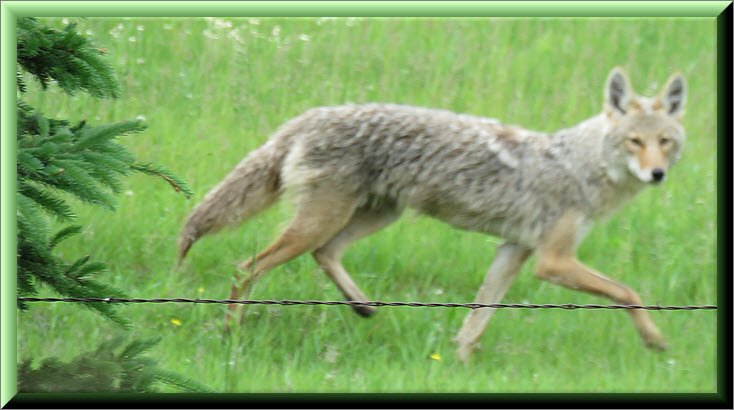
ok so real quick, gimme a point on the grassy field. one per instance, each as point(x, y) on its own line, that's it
point(214, 89)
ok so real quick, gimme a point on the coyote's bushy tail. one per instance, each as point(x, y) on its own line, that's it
point(252, 186)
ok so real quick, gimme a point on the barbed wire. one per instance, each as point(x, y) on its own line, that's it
point(377, 303)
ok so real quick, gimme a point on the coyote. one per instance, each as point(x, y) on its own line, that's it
point(351, 170)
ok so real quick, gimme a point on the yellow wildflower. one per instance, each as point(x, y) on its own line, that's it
point(436, 357)
point(176, 322)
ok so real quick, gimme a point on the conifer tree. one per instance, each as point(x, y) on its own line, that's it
point(57, 161)
point(109, 369)
point(54, 156)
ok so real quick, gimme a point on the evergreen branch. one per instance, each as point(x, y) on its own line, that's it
point(109, 180)
point(74, 267)
point(30, 219)
point(86, 162)
point(75, 180)
point(28, 164)
point(43, 126)
point(90, 289)
point(154, 169)
point(137, 347)
point(181, 382)
point(66, 284)
point(103, 370)
point(48, 202)
point(104, 161)
point(106, 348)
point(89, 269)
point(36, 263)
point(93, 136)
point(65, 56)
point(116, 151)
point(63, 234)
point(19, 80)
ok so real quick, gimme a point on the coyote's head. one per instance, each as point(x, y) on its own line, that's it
point(646, 134)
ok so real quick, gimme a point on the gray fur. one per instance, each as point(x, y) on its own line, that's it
point(352, 170)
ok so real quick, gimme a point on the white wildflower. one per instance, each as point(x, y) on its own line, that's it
point(322, 20)
point(331, 354)
point(304, 37)
point(218, 23)
point(115, 32)
point(235, 35)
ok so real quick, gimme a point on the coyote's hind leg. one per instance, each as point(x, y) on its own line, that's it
point(318, 218)
point(363, 223)
point(507, 262)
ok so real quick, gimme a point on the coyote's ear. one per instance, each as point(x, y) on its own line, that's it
point(673, 95)
point(618, 92)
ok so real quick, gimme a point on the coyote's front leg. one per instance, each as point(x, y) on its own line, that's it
point(568, 272)
point(557, 263)
point(507, 262)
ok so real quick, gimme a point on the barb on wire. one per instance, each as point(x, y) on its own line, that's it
point(286, 302)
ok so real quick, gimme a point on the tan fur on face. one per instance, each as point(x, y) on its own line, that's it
point(657, 105)
point(649, 151)
point(634, 105)
point(651, 157)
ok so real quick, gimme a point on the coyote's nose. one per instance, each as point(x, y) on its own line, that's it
point(658, 174)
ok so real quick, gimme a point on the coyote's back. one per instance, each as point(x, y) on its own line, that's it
point(353, 169)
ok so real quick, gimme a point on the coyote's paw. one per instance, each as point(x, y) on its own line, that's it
point(464, 353)
point(364, 311)
point(465, 350)
point(656, 342)
point(235, 315)
point(227, 327)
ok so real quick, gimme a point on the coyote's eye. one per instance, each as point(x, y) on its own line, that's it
point(635, 141)
point(664, 141)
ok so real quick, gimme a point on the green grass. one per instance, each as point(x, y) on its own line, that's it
point(212, 92)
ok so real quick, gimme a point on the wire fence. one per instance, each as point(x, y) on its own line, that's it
point(285, 302)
